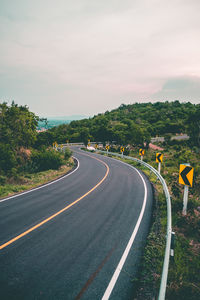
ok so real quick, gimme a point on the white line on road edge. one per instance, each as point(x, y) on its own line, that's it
point(129, 245)
point(40, 187)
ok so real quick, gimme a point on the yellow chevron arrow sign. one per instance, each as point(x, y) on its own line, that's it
point(141, 152)
point(186, 175)
point(159, 157)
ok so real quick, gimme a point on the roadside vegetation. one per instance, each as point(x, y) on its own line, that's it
point(133, 124)
point(28, 181)
point(23, 163)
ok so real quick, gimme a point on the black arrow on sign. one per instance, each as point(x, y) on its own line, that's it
point(158, 157)
point(184, 175)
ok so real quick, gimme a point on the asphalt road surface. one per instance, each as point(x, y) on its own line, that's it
point(78, 238)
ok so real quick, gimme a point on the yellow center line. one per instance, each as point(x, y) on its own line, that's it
point(59, 212)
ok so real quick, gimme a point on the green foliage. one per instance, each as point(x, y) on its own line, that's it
point(17, 125)
point(185, 156)
point(45, 138)
point(30, 180)
point(67, 153)
point(17, 134)
point(193, 123)
point(7, 159)
point(46, 159)
point(2, 180)
point(183, 273)
point(17, 130)
point(167, 138)
point(133, 124)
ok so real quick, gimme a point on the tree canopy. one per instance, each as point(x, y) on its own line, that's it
point(17, 125)
point(18, 137)
point(129, 124)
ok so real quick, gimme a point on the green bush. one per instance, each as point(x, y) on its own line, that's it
point(68, 153)
point(46, 159)
point(7, 158)
point(2, 180)
point(126, 151)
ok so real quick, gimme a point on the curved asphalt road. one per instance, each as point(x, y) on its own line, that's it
point(74, 255)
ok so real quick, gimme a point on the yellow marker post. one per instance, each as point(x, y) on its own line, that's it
point(55, 145)
point(107, 148)
point(96, 146)
point(122, 150)
point(186, 173)
point(159, 160)
point(141, 152)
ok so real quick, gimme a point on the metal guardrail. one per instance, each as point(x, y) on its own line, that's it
point(163, 283)
point(72, 144)
point(81, 144)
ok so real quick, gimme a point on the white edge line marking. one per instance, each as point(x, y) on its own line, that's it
point(46, 184)
point(129, 245)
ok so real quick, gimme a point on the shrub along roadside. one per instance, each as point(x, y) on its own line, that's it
point(44, 166)
point(7, 159)
point(46, 159)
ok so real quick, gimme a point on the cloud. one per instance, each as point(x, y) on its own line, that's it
point(95, 51)
point(182, 88)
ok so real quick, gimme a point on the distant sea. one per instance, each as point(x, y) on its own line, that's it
point(56, 121)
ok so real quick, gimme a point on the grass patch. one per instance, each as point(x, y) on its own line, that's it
point(32, 180)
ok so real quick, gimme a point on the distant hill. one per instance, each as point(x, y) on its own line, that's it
point(58, 120)
point(133, 124)
point(68, 118)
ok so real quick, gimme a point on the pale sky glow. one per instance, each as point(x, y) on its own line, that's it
point(69, 57)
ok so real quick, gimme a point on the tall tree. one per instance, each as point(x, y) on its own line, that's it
point(17, 125)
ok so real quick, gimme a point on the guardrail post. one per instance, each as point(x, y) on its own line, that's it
point(172, 244)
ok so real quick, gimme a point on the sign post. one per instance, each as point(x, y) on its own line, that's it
point(141, 152)
point(186, 178)
point(55, 144)
point(122, 151)
point(159, 159)
point(159, 167)
point(185, 199)
point(107, 148)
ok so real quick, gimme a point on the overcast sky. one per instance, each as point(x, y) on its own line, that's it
point(69, 57)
